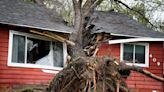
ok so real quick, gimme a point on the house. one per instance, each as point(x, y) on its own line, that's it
point(134, 44)
point(32, 41)
point(30, 34)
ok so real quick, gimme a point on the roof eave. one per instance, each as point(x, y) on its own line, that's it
point(142, 39)
point(28, 26)
point(124, 35)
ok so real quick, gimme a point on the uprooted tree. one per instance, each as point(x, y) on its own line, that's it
point(91, 74)
point(86, 72)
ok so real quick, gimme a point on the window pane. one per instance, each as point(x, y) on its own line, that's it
point(139, 54)
point(18, 49)
point(58, 54)
point(128, 53)
point(38, 52)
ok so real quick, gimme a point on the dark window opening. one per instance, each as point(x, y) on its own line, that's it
point(128, 53)
point(37, 49)
point(139, 54)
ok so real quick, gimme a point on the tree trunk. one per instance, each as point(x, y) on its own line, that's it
point(77, 37)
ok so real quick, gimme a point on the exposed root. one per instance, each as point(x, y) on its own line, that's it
point(93, 74)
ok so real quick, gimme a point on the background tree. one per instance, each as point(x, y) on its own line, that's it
point(148, 12)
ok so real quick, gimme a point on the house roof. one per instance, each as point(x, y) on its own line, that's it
point(122, 25)
point(24, 14)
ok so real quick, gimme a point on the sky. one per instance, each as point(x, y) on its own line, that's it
point(156, 14)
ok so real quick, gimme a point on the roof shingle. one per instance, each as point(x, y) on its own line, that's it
point(120, 24)
point(20, 13)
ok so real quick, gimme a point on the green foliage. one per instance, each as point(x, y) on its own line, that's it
point(158, 2)
point(142, 11)
point(140, 7)
point(66, 11)
point(105, 5)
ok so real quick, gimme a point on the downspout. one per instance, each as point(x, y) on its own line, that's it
point(163, 65)
point(163, 59)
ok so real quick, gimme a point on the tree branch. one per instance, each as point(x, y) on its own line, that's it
point(98, 2)
point(74, 4)
point(136, 12)
point(80, 3)
point(141, 70)
point(87, 5)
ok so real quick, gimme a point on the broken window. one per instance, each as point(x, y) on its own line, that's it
point(36, 50)
point(33, 50)
point(58, 52)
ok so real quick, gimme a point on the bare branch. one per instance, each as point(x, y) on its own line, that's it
point(87, 5)
point(98, 2)
point(80, 3)
point(141, 70)
point(74, 4)
point(136, 12)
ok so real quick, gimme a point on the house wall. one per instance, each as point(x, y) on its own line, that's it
point(109, 50)
point(136, 81)
point(13, 76)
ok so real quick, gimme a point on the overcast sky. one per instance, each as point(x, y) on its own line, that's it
point(157, 14)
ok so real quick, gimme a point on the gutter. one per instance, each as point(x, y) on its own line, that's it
point(124, 35)
point(163, 64)
point(134, 40)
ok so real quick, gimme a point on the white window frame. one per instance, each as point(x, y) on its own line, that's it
point(146, 54)
point(24, 65)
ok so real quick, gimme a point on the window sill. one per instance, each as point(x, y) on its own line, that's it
point(34, 66)
point(139, 65)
